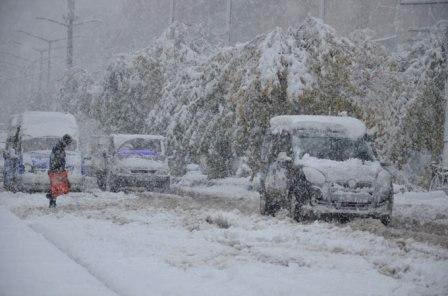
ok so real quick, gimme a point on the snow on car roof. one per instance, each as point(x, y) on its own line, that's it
point(342, 125)
point(37, 124)
point(121, 138)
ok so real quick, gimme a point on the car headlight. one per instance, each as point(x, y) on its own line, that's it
point(315, 195)
point(28, 168)
point(163, 172)
point(383, 184)
point(314, 176)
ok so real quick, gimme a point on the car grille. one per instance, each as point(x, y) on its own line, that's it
point(359, 185)
point(143, 171)
point(351, 205)
point(347, 205)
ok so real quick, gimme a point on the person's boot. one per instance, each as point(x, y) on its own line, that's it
point(52, 203)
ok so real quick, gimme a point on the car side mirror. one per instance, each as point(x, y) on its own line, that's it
point(385, 164)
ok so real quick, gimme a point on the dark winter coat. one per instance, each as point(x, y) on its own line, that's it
point(57, 158)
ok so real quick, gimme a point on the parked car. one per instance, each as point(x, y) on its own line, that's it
point(124, 162)
point(317, 166)
point(31, 137)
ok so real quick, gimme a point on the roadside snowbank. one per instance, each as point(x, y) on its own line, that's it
point(31, 265)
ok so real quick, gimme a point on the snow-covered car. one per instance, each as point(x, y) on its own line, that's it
point(31, 137)
point(317, 166)
point(124, 162)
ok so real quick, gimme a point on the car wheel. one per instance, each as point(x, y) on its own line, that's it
point(385, 220)
point(114, 187)
point(262, 204)
point(266, 205)
point(293, 208)
point(101, 181)
point(165, 187)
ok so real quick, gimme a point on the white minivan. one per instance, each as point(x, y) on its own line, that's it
point(131, 162)
point(31, 137)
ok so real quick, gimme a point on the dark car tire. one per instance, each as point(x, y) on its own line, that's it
point(267, 207)
point(386, 219)
point(113, 186)
point(101, 181)
point(165, 188)
point(294, 209)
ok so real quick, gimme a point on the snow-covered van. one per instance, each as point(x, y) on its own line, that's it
point(323, 166)
point(31, 137)
point(124, 161)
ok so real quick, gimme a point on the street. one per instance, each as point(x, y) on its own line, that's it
point(168, 244)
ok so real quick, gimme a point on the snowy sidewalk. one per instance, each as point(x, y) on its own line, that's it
point(31, 265)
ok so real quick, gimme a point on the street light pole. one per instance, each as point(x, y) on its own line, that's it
point(70, 23)
point(229, 22)
point(322, 10)
point(173, 11)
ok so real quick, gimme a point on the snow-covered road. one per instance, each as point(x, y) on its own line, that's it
point(156, 244)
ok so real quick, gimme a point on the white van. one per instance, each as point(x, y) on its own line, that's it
point(31, 137)
point(323, 165)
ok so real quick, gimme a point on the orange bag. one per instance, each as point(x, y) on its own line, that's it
point(59, 183)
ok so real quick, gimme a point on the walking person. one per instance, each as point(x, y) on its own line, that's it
point(57, 172)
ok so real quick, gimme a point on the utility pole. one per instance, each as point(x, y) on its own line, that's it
point(229, 22)
point(445, 130)
point(322, 10)
point(70, 20)
point(69, 24)
point(173, 11)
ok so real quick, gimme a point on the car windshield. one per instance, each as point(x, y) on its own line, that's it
point(332, 148)
point(140, 148)
point(39, 144)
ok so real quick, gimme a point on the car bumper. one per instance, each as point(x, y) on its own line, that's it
point(140, 181)
point(41, 182)
point(352, 210)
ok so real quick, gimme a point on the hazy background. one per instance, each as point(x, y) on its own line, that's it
point(128, 25)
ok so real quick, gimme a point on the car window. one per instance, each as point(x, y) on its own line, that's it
point(333, 148)
point(140, 148)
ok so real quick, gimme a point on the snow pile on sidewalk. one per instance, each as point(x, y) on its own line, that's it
point(31, 265)
point(422, 207)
